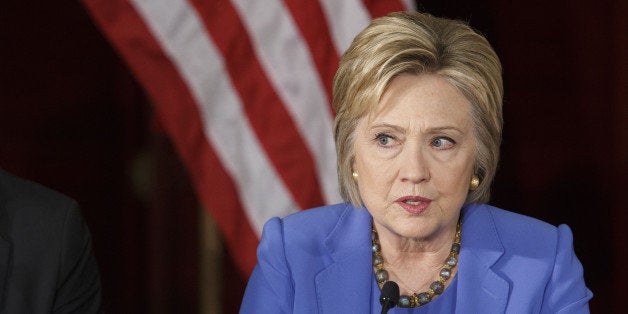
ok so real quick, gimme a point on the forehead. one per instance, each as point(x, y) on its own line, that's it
point(426, 97)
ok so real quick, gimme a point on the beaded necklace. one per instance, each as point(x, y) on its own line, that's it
point(437, 287)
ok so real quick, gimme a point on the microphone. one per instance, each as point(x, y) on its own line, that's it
point(389, 296)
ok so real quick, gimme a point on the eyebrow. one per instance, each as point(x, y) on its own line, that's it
point(387, 125)
point(428, 130)
point(444, 128)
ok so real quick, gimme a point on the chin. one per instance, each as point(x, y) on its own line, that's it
point(413, 230)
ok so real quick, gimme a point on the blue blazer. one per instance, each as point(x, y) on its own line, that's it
point(319, 261)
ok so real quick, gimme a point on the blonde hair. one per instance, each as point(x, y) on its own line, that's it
point(418, 43)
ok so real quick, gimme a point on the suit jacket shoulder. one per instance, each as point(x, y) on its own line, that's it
point(20, 195)
point(46, 259)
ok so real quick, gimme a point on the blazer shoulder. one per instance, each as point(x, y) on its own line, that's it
point(509, 220)
point(316, 222)
point(518, 232)
point(313, 232)
point(288, 244)
point(536, 257)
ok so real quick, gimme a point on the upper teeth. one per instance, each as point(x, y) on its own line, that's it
point(411, 202)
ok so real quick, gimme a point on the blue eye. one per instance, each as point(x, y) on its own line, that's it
point(443, 142)
point(383, 139)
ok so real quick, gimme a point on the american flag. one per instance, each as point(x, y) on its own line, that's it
point(243, 89)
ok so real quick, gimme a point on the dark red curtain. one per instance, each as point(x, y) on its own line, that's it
point(73, 118)
point(565, 146)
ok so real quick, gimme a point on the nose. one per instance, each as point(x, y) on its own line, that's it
point(413, 165)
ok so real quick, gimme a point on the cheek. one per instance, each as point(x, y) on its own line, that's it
point(374, 176)
point(364, 163)
point(454, 179)
point(368, 171)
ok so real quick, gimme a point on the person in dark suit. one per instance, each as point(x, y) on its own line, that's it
point(418, 103)
point(46, 259)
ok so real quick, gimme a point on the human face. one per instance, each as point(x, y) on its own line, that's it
point(414, 157)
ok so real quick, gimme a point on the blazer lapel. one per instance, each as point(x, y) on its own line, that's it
point(345, 285)
point(480, 288)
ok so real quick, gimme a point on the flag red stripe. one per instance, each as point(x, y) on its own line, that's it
point(268, 117)
point(379, 8)
point(174, 103)
point(312, 22)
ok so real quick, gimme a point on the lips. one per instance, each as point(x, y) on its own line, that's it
point(413, 205)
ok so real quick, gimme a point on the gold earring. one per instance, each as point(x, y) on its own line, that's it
point(475, 182)
point(355, 175)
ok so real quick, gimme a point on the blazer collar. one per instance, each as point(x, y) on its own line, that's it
point(345, 285)
point(481, 288)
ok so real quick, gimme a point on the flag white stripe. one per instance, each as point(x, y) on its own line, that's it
point(346, 19)
point(288, 63)
point(410, 5)
point(181, 33)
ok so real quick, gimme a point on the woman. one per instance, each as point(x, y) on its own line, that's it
point(418, 127)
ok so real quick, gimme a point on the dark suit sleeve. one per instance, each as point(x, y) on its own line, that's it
point(78, 288)
point(566, 291)
point(269, 289)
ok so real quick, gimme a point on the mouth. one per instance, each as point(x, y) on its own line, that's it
point(414, 204)
point(413, 199)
